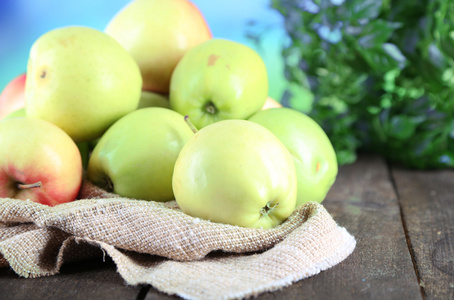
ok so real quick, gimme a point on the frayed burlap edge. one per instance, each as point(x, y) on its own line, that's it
point(36, 240)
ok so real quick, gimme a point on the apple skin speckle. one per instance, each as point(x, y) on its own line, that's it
point(212, 59)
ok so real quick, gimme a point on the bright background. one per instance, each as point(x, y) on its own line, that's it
point(23, 21)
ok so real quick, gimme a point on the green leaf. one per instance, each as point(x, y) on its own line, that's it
point(387, 85)
point(447, 44)
point(301, 98)
point(338, 105)
point(394, 52)
point(377, 32)
point(383, 59)
point(362, 10)
point(401, 127)
point(345, 157)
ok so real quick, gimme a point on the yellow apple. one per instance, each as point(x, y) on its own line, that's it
point(82, 80)
point(271, 103)
point(157, 33)
point(151, 99)
point(235, 172)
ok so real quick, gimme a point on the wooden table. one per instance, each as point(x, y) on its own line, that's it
point(403, 221)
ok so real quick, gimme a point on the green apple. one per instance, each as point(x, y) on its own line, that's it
point(38, 161)
point(17, 113)
point(236, 172)
point(136, 156)
point(219, 80)
point(82, 80)
point(84, 149)
point(151, 99)
point(158, 33)
point(312, 152)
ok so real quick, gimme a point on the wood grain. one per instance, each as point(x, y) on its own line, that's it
point(364, 201)
point(427, 200)
point(92, 279)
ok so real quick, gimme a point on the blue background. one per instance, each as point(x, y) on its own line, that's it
point(23, 21)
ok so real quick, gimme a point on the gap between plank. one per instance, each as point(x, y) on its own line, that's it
point(143, 292)
point(404, 225)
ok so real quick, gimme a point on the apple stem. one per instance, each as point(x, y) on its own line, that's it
point(188, 121)
point(269, 207)
point(24, 186)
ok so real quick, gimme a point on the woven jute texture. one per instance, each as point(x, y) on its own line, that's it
point(155, 243)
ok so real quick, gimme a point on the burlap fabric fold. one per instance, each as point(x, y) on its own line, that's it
point(155, 243)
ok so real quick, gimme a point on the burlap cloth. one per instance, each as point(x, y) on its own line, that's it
point(155, 243)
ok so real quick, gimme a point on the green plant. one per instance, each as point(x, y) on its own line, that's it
point(382, 75)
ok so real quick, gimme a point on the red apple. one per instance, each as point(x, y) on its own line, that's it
point(12, 97)
point(38, 161)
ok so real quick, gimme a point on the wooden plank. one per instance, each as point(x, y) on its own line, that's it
point(364, 201)
point(91, 279)
point(427, 200)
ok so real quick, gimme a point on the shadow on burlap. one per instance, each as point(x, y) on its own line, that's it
point(155, 243)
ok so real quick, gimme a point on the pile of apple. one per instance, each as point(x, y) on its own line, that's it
point(155, 108)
